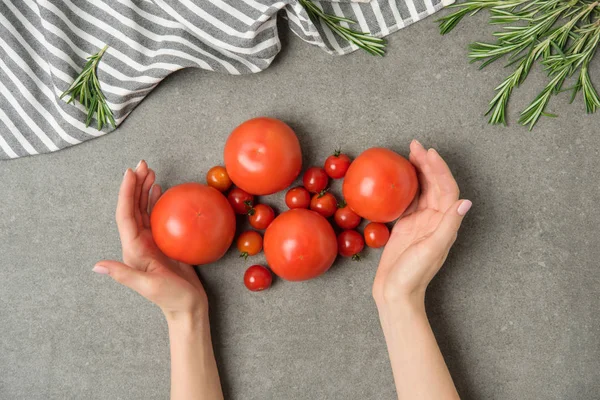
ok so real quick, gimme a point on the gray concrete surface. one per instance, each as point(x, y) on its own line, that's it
point(514, 309)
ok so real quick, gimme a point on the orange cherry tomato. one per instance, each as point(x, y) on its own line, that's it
point(218, 178)
point(249, 243)
point(376, 234)
point(263, 156)
point(193, 223)
point(380, 184)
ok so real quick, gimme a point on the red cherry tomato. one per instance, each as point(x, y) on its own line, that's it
point(324, 203)
point(376, 234)
point(261, 216)
point(345, 218)
point(380, 185)
point(249, 243)
point(350, 244)
point(240, 201)
point(299, 245)
point(257, 278)
point(315, 179)
point(263, 156)
point(337, 164)
point(297, 197)
point(218, 178)
point(193, 223)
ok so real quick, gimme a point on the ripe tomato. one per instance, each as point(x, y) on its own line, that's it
point(193, 223)
point(263, 156)
point(300, 244)
point(345, 218)
point(376, 234)
point(315, 179)
point(257, 278)
point(350, 244)
point(240, 201)
point(249, 243)
point(324, 203)
point(261, 216)
point(337, 164)
point(297, 197)
point(380, 185)
point(217, 177)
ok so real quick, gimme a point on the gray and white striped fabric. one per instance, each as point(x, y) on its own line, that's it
point(44, 44)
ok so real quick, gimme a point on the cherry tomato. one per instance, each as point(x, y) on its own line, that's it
point(217, 177)
point(249, 243)
point(345, 218)
point(240, 201)
point(300, 244)
point(193, 223)
point(380, 185)
point(324, 203)
point(257, 278)
point(350, 244)
point(337, 164)
point(261, 216)
point(297, 197)
point(315, 179)
point(263, 156)
point(376, 234)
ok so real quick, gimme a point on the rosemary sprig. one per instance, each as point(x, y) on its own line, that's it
point(370, 44)
point(86, 90)
point(562, 35)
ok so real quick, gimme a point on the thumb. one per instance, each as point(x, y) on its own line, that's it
point(445, 234)
point(125, 275)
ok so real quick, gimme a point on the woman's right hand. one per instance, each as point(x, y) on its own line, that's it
point(421, 239)
point(170, 284)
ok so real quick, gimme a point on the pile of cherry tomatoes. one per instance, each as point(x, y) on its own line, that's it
point(262, 157)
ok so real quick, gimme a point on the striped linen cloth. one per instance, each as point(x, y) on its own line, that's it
point(44, 45)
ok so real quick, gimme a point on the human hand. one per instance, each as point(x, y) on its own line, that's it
point(421, 239)
point(170, 284)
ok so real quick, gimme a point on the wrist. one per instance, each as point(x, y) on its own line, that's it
point(187, 321)
point(402, 306)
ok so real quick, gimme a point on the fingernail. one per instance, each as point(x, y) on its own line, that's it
point(417, 142)
point(126, 172)
point(138, 165)
point(464, 207)
point(99, 269)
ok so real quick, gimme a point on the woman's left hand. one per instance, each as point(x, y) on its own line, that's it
point(170, 284)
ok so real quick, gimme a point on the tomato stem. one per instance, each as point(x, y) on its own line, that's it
point(244, 255)
point(337, 152)
point(356, 257)
point(342, 204)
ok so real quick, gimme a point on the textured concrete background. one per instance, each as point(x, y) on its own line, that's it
point(514, 309)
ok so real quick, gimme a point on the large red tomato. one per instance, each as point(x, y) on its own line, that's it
point(193, 223)
point(263, 156)
point(380, 184)
point(299, 245)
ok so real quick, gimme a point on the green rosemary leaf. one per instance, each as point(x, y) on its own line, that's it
point(365, 41)
point(86, 89)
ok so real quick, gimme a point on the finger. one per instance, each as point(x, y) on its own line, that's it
point(125, 275)
point(146, 186)
point(141, 172)
point(125, 216)
point(155, 193)
point(448, 189)
point(429, 190)
point(445, 234)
